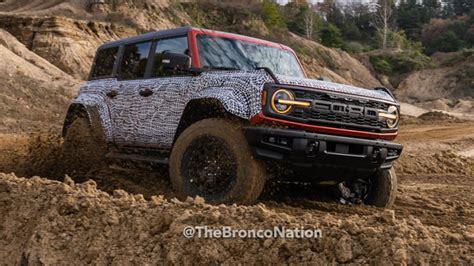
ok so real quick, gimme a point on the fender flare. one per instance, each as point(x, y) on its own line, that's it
point(234, 101)
point(80, 110)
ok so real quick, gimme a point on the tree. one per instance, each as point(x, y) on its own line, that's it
point(383, 19)
point(362, 19)
point(430, 9)
point(462, 7)
point(409, 18)
point(309, 22)
point(447, 42)
point(272, 16)
point(302, 20)
point(326, 7)
point(331, 36)
point(445, 35)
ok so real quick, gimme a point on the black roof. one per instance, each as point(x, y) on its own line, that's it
point(147, 36)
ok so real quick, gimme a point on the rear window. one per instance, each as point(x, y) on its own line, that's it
point(104, 62)
point(134, 61)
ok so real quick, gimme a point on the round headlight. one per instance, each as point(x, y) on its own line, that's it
point(395, 117)
point(281, 95)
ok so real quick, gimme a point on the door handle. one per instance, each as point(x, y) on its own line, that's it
point(146, 92)
point(112, 94)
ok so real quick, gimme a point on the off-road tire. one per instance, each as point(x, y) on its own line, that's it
point(383, 189)
point(250, 174)
point(83, 149)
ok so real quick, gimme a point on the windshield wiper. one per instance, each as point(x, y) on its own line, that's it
point(270, 72)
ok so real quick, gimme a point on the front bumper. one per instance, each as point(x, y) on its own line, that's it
point(301, 148)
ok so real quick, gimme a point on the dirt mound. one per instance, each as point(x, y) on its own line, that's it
point(438, 116)
point(445, 162)
point(434, 150)
point(50, 222)
point(34, 92)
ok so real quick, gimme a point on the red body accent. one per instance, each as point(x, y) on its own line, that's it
point(261, 118)
point(194, 32)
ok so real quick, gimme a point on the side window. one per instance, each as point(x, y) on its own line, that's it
point(104, 63)
point(134, 61)
point(178, 45)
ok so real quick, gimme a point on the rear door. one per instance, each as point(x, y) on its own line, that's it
point(126, 107)
point(168, 91)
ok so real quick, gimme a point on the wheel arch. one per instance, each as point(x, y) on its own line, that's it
point(90, 113)
point(75, 110)
point(202, 108)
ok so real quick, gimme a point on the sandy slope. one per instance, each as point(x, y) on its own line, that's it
point(33, 92)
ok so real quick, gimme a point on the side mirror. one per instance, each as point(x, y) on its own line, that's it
point(172, 61)
point(324, 78)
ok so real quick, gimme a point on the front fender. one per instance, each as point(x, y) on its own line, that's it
point(75, 110)
point(234, 101)
point(94, 108)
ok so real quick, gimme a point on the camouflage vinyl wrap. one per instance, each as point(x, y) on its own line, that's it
point(132, 119)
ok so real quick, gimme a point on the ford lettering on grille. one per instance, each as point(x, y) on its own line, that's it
point(345, 109)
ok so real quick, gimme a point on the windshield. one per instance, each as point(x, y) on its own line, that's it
point(224, 53)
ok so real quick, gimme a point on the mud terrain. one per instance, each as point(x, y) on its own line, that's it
point(127, 214)
point(116, 213)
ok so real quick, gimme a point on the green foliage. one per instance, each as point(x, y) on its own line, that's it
point(331, 36)
point(447, 42)
point(381, 64)
point(410, 19)
point(398, 39)
point(422, 26)
point(354, 47)
point(461, 7)
point(302, 20)
point(399, 63)
point(271, 15)
point(468, 52)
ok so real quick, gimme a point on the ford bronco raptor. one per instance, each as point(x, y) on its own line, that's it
point(226, 111)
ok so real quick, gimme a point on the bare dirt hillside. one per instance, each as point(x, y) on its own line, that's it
point(34, 92)
point(66, 43)
point(124, 215)
point(449, 87)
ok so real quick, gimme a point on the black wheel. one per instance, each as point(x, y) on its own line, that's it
point(83, 149)
point(212, 159)
point(383, 189)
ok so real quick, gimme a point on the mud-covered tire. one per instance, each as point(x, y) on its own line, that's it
point(242, 178)
point(383, 189)
point(83, 149)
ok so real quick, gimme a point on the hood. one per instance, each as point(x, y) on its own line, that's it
point(335, 87)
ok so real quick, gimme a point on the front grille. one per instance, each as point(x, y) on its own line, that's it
point(342, 120)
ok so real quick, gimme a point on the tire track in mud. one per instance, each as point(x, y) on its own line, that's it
point(40, 155)
point(432, 217)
